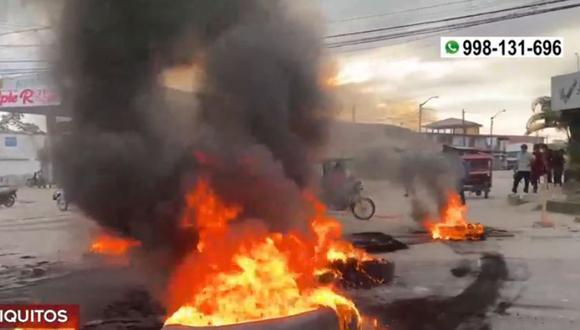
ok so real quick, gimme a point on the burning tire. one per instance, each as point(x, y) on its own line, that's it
point(363, 209)
point(321, 319)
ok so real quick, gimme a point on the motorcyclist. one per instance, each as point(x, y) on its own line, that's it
point(339, 185)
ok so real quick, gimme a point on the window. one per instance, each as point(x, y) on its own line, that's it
point(10, 141)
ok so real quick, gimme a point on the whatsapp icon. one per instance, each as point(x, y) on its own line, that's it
point(451, 47)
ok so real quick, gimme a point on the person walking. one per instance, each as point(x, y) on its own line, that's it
point(523, 169)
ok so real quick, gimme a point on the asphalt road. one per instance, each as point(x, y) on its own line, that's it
point(43, 258)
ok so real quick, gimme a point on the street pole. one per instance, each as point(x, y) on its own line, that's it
point(577, 61)
point(463, 127)
point(420, 128)
point(420, 116)
point(491, 127)
point(354, 113)
point(491, 133)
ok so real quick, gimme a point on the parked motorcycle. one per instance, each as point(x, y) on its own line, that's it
point(61, 201)
point(8, 196)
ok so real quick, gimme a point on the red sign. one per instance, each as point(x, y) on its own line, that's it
point(39, 316)
point(29, 97)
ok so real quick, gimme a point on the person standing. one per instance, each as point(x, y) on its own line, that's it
point(464, 173)
point(523, 169)
point(549, 157)
point(558, 166)
point(538, 166)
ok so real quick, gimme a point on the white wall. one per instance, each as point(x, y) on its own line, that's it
point(19, 153)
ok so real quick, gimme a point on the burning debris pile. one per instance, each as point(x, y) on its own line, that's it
point(215, 197)
point(453, 225)
point(106, 244)
point(241, 273)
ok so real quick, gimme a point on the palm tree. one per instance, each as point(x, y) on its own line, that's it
point(545, 117)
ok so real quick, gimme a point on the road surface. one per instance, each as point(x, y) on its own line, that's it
point(42, 258)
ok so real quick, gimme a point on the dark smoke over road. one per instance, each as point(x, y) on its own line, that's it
point(130, 159)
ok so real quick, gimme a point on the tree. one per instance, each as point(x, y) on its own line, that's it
point(14, 122)
point(544, 117)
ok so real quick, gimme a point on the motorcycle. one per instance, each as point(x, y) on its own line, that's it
point(361, 206)
point(61, 201)
point(8, 197)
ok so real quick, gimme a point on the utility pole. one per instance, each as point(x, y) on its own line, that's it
point(491, 128)
point(577, 61)
point(463, 127)
point(421, 112)
point(354, 113)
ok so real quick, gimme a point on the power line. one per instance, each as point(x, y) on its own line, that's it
point(34, 29)
point(23, 69)
point(24, 46)
point(7, 74)
point(357, 18)
point(447, 28)
point(448, 19)
point(23, 61)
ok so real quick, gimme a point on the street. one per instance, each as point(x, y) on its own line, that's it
point(544, 264)
point(43, 257)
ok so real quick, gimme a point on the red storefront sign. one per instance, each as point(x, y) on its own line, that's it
point(28, 97)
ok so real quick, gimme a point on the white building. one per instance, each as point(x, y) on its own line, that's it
point(19, 153)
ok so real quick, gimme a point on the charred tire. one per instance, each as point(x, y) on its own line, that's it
point(363, 209)
point(10, 200)
point(323, 319)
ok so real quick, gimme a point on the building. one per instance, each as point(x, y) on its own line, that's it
point(454, 126)
point(458, 133)
point(20, 153)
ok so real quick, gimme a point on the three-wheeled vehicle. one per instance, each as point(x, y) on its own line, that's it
point(362, 207)
point(479, 173)
point(7, 195)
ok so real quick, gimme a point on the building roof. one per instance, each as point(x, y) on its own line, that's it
point(521, 138)
point(13, 132)
point(451, 123)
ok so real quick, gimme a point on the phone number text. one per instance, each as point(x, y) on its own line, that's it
point(461, 47)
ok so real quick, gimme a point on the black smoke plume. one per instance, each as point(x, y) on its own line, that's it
point(129, 160)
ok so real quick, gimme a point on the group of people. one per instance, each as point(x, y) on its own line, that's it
point(541, 162)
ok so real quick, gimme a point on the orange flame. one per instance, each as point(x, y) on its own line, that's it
point(240, 274)
point(109, 245)
point(453, 224)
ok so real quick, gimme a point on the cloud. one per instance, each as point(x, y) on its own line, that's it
point(414, 70)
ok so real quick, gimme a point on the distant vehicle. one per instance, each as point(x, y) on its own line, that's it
point(61, 201)
point(7, 196)
point(479, 174)
point(361, 206)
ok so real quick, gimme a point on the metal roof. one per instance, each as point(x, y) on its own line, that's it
point(451, 123)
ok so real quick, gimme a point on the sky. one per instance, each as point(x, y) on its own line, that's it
point(389, 79)
point(412, 70)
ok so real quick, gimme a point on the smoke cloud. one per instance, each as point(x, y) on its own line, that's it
point(131, 156)
point(426, 176)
